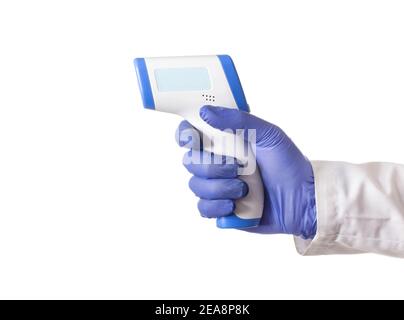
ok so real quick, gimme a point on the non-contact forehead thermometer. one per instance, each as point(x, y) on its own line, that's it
point(182, 85)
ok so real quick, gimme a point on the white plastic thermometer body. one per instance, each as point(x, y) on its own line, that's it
point(181, 85)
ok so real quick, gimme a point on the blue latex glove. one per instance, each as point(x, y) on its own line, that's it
point(287, 175)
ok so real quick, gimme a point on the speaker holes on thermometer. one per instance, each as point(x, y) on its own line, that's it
point(209, 98)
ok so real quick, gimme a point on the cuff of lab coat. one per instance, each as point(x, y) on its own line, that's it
point(328, 221)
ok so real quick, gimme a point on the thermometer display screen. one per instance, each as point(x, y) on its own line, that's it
point(182, 79)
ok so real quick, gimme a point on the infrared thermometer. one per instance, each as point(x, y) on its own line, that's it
point(182, 85)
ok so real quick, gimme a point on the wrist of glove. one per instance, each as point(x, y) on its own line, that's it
point(288, 179)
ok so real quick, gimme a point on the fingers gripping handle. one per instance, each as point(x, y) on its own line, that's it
point(248, 211)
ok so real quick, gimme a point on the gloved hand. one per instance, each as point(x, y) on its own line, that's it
point(287, 175)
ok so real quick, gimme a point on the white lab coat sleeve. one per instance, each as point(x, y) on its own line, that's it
point(360, 208)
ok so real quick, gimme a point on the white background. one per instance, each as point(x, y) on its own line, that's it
point(94, 200)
